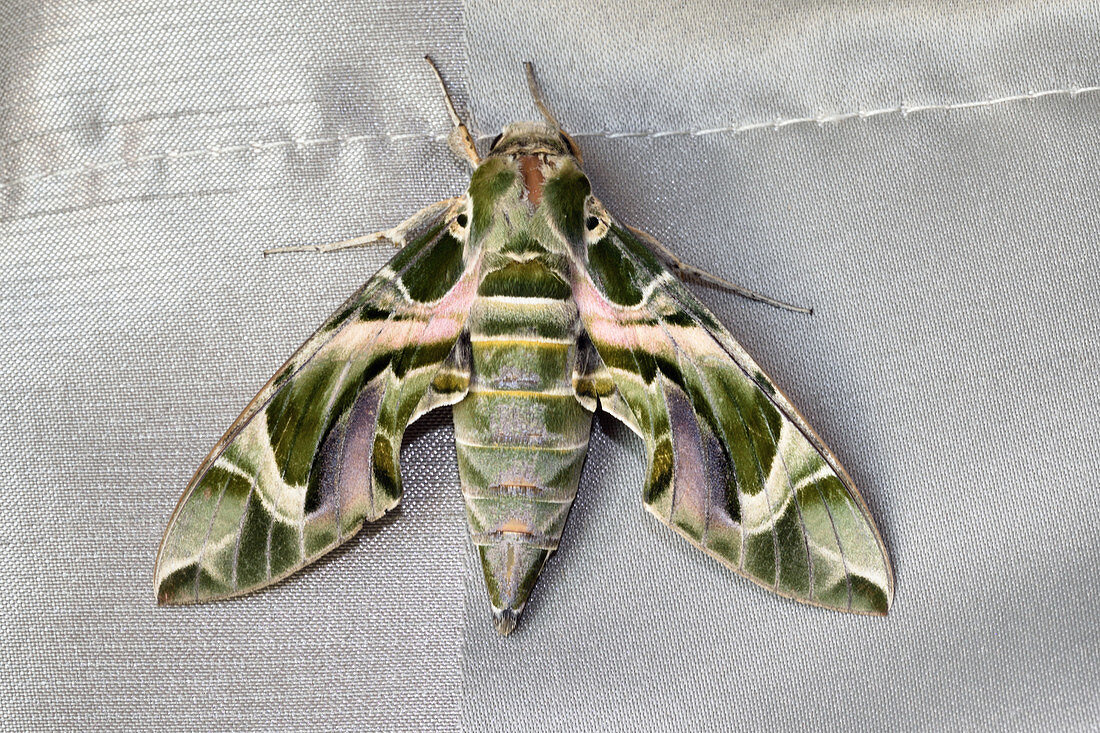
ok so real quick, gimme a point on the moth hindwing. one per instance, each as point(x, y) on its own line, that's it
point(526, 306)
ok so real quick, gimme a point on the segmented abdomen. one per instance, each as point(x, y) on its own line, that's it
point(521, 437)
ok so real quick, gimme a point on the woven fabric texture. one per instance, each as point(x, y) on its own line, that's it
point(924, 176)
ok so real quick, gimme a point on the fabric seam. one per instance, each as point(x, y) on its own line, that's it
point(820, 120)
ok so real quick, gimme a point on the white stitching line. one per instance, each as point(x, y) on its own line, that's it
point(260, 146)
point(904, 110)
point(256, 146)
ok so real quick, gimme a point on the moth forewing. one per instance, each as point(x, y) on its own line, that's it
point(733, 467)
point(314, 454)
point(525, 305)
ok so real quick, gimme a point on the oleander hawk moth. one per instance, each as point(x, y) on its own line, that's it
point(526, 306)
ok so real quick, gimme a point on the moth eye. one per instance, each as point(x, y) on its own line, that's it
point(591, 222)
point(496, 140)
point(462, 220)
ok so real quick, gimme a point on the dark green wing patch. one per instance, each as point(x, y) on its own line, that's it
point(530, 279)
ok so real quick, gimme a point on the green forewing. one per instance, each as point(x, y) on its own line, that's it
point(731, 465)
point(315, 454)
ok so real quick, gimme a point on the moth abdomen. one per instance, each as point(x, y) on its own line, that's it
point(520, 432)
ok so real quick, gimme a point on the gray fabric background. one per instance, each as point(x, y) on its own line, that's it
point(924, 175)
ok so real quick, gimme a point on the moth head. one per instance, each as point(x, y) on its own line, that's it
point(533, 138)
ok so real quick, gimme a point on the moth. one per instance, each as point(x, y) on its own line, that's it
point(526, 306)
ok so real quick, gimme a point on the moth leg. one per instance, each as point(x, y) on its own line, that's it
point(460, 139)
point(394, 235)
point(683, 270)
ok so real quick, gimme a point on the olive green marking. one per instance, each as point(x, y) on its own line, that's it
point(833, 594)
point(670, 369)
point(240, 545)
point(371, 312)
point(349, 307)
point(530, 279)
point(758, 420)
point(504, 364)
point(556, 262)
point(489, 182)
point(189, 532)
point(834, 500)
point(556, 471)
point(282, 375)
point(520, 322)
point(297, 420)
point(190, 583)
point(638, 251)
point(661, 466)
point(179, 585)
point(761, 447)
point(407, 254)
point(252, 556)
point(430, 277)
point(857, 539)
point(315, 492)
point(868, 596)
point(701, 314)
point(319, 535)
point(679, 318)
point(593, 385)
point(682, 296)
point(615, 273)
point(522, 243)
point(759, 560)
point(794, 564)
point(525, 557)
point(563, 196)
point(818, 526)
point(419, 354)
point(448, 381)
point(792, 540)
point(338, 415)
point(294, 422)
point(528, 583)
point(569, 475)
point(692, 524)
point(387, 479)
point(353, 305)
point(495, 508)
point(473, 519)
point(408, 393)
point(763, 383)
point(531, 419)
point(490, 579)
point(628, 359)
point(232, 504)
point(725, 543)
point(286, 549)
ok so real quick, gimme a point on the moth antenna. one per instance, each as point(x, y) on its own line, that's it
point(460, 139)
point(533, 86)
point(684, 270)
point(446, 95)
